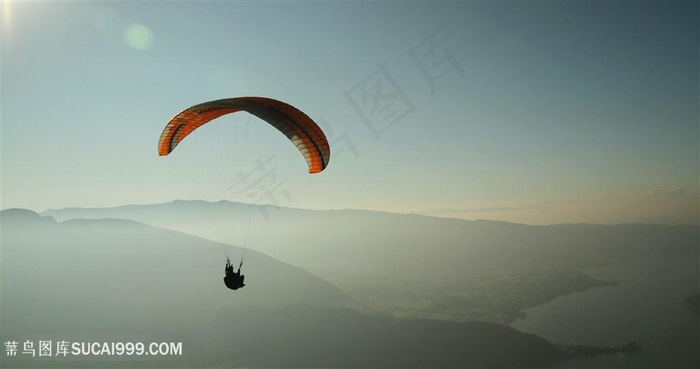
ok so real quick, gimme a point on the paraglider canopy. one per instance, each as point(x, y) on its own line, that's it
point(301, 130)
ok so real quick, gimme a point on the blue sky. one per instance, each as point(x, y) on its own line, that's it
point(530, 112)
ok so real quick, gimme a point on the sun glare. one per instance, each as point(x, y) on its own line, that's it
point(6, 18)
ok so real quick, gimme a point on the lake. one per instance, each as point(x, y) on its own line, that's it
point(646, 307)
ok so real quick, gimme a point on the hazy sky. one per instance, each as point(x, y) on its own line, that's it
point(530, 112)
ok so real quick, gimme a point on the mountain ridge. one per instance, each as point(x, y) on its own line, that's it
point(236, 203)
point(443, 268)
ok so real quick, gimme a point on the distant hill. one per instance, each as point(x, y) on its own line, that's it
point(351, 240)
point(420, 266)
point(319, 337)
point(112, 275)
point(116, 280)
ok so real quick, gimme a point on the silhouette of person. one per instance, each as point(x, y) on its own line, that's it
point(233, 279)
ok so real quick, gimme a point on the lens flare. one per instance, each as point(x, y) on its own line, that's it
point(138, 36)
point(6, 15)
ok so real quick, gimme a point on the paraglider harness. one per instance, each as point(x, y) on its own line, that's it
point(233, 280)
